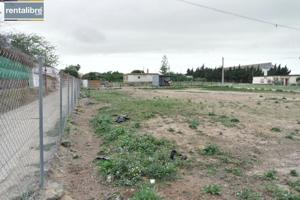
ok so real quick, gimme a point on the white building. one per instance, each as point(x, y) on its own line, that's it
point(51, 72)
point(142, 79)
point(281, 80)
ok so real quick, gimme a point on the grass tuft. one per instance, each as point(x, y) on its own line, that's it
point(213, 189)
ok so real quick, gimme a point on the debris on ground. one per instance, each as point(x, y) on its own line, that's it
point(109, 178)
point(54, 191)
point(152, 181)
point(122, 118)
point(66, 144)
point(113, 197)
point(98, 158)
point(174, 153)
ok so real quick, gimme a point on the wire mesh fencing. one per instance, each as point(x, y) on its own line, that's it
point(35, 102)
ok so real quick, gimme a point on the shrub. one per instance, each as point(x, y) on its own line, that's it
point(194, 124)
point(211, 150)
point(249, 194)
point(146, 193)
point(295, 185)
point(293, 172)
point(235, 120)
point(172, 130)
point(234, 171)
point(213, 189)
point(275, 129)
point(281, 194)
point(270, 175)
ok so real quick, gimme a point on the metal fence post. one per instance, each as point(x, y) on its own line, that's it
point(60, 105)
point(41, 120)
point(72, 94)
point(68, 111)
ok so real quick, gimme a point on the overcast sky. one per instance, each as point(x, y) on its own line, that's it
point(109, 35)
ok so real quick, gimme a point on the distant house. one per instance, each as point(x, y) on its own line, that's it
point(280, 80)
point(50, 74)
point(154, 79)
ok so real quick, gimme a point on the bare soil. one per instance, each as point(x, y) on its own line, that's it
point(73, 167)
point(251, 140)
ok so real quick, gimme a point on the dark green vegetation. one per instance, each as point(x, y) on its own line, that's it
point(234, 74)
point(249, 194)
point(107, 76)
point(276, 130)
point(146, 193)
point(270, 175)
point(134, 157)
point(213, 189)
point(294, 172)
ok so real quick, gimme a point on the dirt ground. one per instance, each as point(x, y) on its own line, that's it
point(251, 141)
point(73, 166)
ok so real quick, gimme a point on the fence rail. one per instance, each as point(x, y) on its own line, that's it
point(24, 155)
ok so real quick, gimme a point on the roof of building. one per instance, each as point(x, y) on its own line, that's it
point(267, 65)
point(138, 74)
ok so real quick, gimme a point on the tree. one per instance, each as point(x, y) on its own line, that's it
point(4, 41)
point(35, 46)
point(72, 70)
point(164, 65)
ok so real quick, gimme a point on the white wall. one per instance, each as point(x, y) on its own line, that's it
point(272, 79)
point(140, 78)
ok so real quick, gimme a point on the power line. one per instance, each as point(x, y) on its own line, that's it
point(239, 15)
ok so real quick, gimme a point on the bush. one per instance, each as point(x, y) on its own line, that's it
point(194, 124)
point(275, 129)
point(211, 150)
point(270, 175)
point(294, 173)
point(249, 194)
point(146, 193)
point(213, 189)
point(295, 185)
point(281, 194)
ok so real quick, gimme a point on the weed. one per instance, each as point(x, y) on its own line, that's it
point(270, 175)
point(290, 136)
point(295, 185)
point(276, 129)
point(136, 125)
point(211, 114)
point(235, 120)
point(234, 171)
point(172, 130)
point(194, 124)
point(281, 194)
point(146, 193)
point(293, 172)
point(213, 189)
point(249, 194)
point(225, 120)
point(211, 150)
point(139, 156)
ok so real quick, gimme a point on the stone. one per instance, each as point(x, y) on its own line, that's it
point(54, 191)
point(66, 144)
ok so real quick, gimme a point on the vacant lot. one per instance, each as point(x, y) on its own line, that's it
point(195, 144)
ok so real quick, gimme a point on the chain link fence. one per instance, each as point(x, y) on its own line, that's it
point(35, 103)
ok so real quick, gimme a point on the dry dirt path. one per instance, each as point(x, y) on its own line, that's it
point(73, 167)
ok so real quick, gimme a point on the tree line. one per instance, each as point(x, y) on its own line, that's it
point(234, 74)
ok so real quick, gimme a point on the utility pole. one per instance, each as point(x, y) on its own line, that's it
point(222, 70)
